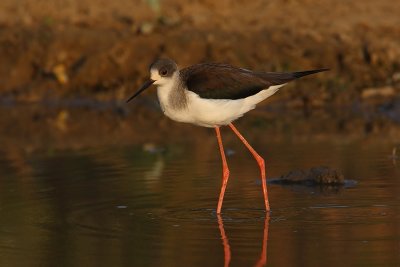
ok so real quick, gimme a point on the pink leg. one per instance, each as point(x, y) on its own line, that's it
point(225, 171)
point(261, 164)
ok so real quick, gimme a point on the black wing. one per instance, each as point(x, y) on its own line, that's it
point(220, 81)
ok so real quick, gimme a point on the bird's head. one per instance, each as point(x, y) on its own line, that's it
point(161, 72)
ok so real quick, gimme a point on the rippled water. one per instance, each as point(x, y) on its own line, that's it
point(130, 206)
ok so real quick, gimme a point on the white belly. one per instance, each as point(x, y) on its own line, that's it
point(212, 112)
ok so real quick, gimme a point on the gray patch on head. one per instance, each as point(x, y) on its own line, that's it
point(164, 65)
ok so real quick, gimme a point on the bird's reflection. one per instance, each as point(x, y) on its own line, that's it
point(263, 256)
point(225, 241)
point(262, 261)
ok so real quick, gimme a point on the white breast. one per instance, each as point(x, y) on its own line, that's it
point(163, 93)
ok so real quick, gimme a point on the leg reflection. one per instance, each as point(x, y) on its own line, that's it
point(225, 241)
point(227, 249)
point(263, 257)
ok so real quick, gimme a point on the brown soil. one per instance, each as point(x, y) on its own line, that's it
point(74, 48)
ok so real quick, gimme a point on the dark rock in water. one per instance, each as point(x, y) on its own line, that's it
point(314, 176)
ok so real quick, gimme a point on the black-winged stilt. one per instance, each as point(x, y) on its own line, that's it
point(214, 95)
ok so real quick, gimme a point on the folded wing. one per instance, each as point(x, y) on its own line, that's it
point(220, 81)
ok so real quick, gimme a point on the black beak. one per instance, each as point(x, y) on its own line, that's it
point(141, 89)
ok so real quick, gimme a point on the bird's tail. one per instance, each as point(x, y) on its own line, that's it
point(299, 74)
point(277, 78)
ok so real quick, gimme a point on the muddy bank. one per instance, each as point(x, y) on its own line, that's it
point(82, 124)
point(83, 49)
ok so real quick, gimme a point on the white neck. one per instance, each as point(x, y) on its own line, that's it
point(169, 92)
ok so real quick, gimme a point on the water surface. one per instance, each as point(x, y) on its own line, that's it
point(155, 206)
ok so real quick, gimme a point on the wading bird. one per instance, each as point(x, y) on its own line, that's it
point(214, 95)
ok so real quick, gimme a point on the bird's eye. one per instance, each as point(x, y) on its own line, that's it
point(163, 72)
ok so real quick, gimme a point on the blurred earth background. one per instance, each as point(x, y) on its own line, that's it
point(67, 67)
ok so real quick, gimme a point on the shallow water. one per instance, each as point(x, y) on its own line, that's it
point(155, 206)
